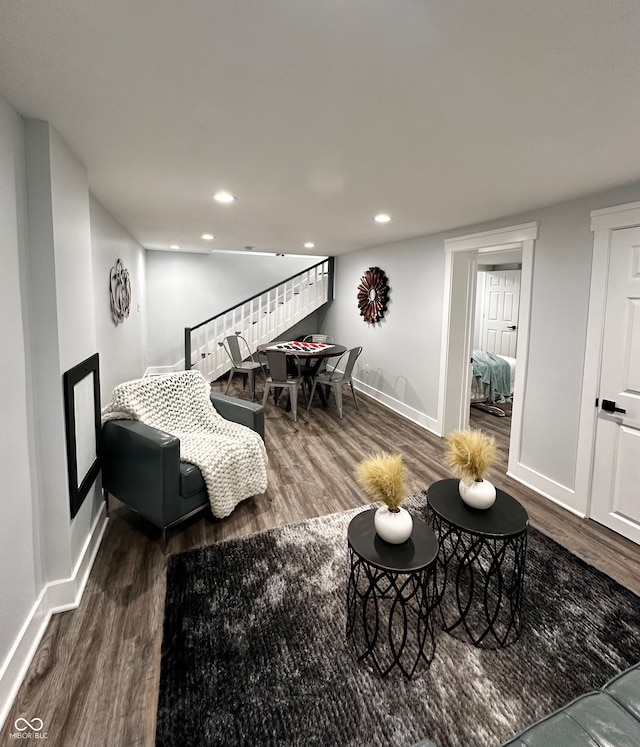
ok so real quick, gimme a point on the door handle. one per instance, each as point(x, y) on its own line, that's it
point(609, 406)
point(512, 327)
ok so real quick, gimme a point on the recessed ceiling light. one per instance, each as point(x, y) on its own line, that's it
point(382, 218)
point(224, 196)
point(207, 236)
point(174, 246)
point(309, 245)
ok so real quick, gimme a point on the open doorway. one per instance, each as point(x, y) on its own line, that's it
point(495, 340)
point(464, 255)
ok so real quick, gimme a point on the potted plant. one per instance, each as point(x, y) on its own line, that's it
point(470, 454)
point(383, 478)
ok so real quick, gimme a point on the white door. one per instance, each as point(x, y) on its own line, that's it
point(500, 312)
point(615, 496)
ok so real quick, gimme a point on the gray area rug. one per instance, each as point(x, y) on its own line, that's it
point(254, 650)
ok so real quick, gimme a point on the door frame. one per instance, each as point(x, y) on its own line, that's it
point(603, 223)
point(461, 262)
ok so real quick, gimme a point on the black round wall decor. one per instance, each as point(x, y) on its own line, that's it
point(373, 295)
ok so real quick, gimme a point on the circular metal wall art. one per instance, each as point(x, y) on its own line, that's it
point(373, 295)
point(120, 286)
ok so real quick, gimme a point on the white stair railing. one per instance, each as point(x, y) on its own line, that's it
point(260, 319)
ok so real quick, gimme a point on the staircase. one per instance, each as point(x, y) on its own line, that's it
point(260, 319)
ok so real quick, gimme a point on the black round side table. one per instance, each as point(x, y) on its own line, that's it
point(390, 593)
point(481, 565)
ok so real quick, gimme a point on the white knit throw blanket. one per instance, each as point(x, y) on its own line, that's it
point(231, 457)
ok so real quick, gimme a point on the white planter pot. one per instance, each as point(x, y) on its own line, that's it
point(393, 527)
point(477, 493)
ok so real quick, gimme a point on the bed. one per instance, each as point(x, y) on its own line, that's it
point(493, 378)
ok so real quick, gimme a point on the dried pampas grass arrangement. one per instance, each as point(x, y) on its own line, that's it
point(383, 478)
point(470, 454)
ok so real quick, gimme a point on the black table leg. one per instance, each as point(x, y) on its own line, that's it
point(388, 617)
point(480, 582)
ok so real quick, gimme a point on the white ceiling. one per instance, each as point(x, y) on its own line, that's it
point(319, 113)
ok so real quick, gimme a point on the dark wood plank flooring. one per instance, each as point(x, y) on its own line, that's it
point(94, 679)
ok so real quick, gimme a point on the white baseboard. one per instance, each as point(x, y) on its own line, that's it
point(56, 596)
point(419, 418)
point(554, 491)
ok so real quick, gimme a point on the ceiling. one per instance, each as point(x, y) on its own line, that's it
point(319, 114)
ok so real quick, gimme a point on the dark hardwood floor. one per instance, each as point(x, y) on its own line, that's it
point(94, 679)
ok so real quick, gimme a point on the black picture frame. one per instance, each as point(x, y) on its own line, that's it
point(79, 486)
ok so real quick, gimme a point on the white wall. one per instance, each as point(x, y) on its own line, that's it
point(400, 354)
point(186, 289)
point(47, 395)
point(75, 309)
point(121, 347)
point(403, 352)
point(62, 331)
point(47, 295)
point(19, 547)
point(557, 338)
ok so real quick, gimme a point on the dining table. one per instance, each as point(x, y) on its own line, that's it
point(311, 353)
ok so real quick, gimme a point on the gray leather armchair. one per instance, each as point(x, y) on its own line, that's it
point(141, 465)
point(609, 717)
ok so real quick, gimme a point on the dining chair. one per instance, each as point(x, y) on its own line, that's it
point(242, 360)
point(310, 366)
point(336, 379)
point(319, 338)
point(279, 377)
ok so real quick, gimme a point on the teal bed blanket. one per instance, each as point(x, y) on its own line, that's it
point(493, 370)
